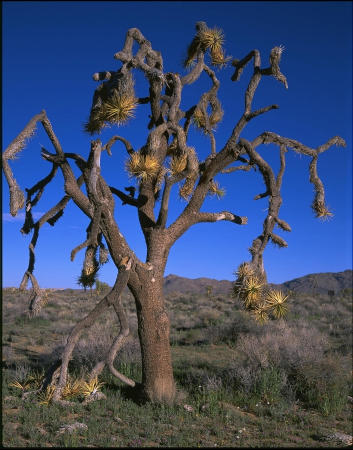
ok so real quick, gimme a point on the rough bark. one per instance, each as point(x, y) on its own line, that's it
point(154, 330)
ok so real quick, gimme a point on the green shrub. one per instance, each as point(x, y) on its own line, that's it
point(269, 384)
point(323, 386)
point(102, 288)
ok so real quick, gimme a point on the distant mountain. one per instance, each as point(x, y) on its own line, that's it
point(173, 283)
point(320, 282)
point(317, 282)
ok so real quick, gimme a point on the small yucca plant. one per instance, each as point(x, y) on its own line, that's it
point(119, 108)
point(178, 164)
point(36, 379)
point(275, 300)
point(72, 388)
point(91, 387)
point(216, 190)
point(143, 166)
point(21, 385)
point(47, 396)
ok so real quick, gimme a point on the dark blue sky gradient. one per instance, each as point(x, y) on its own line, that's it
point(51, 50)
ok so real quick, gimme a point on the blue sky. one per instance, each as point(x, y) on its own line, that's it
point(50, 51)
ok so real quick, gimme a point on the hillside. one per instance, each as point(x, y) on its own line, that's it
point(319, 283)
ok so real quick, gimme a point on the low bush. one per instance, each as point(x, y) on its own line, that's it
point(323, 385)
point(290, 361)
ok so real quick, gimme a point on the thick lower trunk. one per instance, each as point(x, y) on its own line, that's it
point(154, 327)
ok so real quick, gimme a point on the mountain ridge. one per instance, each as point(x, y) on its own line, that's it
point(320, 282)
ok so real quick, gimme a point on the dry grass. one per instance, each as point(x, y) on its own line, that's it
point(284, 381)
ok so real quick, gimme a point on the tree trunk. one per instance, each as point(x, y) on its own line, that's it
point(154, 328)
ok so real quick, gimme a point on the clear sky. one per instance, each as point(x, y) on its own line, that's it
point(51, 50)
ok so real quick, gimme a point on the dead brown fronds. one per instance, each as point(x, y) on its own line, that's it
point(186, 190)
point(277, 240)
point(90, 264)
point(284, 225)
point(216, 116)
point(321, 210)
point(172, 147)
point(260, 315)
point(103, 255)
point(199, 118)
point(94, 125)
point(178, 164)
point(216, 190)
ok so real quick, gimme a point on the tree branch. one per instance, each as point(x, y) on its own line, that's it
point(112, 140)
point(17, 199)
point(112, 298)
point(163, 212)
point(28, 224)
point(224, 215)
point(127, 199)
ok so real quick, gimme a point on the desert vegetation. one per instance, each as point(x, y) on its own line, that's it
point(166, 159)
point(128, 365)
point(286, 382)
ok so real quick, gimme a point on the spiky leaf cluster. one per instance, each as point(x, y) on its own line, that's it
point(257, 297)
point(143, 167)
point(103, 255)
point(91, 387)
point(47, 396)
point(211, 39)
point(114, 103)
point(119, 109)
point(73, 388)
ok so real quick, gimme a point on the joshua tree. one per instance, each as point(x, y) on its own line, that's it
point(164, 160)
